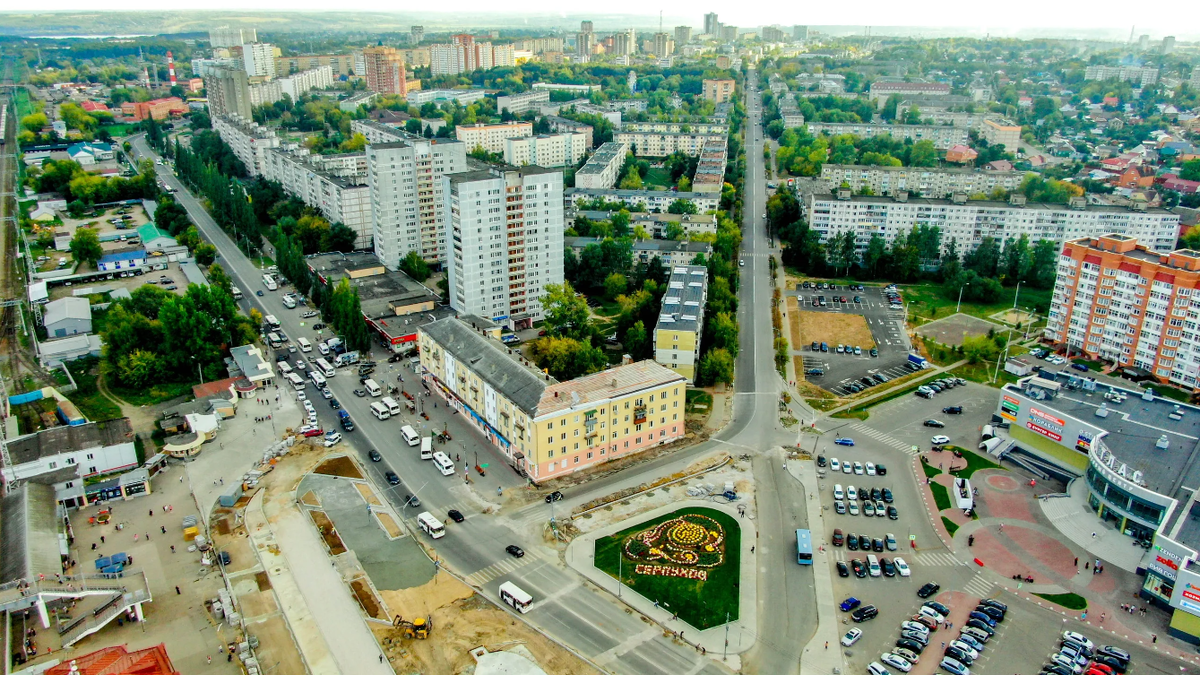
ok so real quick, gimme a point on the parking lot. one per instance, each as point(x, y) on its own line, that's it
point(886, 327)
point(172, 274)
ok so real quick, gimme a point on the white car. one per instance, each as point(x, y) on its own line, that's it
point(854, 508)
point(326, 393)
point(332, 439)
point(300, 395)
point(309, 406)
point(851, 637)
point(846, 468)
point(870, 468)
point(932, 614)
point(300, 364)
point(323, 349)
point(902, 567)
point(914, 625)
point(834, 464)
point(308, 315)
point(938, 440)
point(868, 508)
point(858, 468)
point(852, 493)
point(895, 661)
point(1072, 636)
point(966, 648)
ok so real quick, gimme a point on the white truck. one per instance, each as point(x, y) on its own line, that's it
point(346, 359)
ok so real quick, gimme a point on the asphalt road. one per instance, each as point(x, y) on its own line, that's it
point(575, 614)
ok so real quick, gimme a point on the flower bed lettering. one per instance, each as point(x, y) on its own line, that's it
point(662, 571)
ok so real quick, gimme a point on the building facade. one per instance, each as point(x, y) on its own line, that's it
point(603, 168)
point(968, 222)
point(519, 104)
point(880, 91)
point(491, 137)
point(342, 65)
point(385, 70)
point(248, 141)
point(342, 196)
point(225, 37)
point(1140, 76)
point(545, 150)
point(718, 91)
point(562, 125)
point(1125, 303)
point(922, 181)
point(405, 179)
point(1002, 133)
point(681, 320)
point(228, 91)
point(504, 241)
point(259, 59)
point(943, 137)
point(653, 200)
point(661, 144)
point(546, 428)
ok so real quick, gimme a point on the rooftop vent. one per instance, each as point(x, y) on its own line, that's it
point(900, 195)
point(844, 194)
point(959, 198)
point(1138, 206)
point(1077, 203)
point(1016, 199)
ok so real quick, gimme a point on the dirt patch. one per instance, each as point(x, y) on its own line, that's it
point(277, 646)
point(834, 328)
point(328, 532)
point(793, 312)
point(694, 467)
point(366, 599)
point(952, 330)
point(310, 498)
point(462, 621)
point(257, 604)
point(368, 494)
point(223, 526)
point(389, 524)
point(263, 581)
point(339, 466)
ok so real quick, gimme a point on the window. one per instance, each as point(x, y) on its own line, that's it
point(590, 455)
point(550, 453)
point(576, 459)
point(91, 456)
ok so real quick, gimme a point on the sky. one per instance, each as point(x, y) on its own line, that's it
point(1178, 17)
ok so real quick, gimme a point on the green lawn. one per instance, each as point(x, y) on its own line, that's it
point(975, 462)
point(121, 129)
point(94, 405)
point(1068, 600)
point(951, 526)
point(852, 414)
point(822, 403)
point(941, 496)
point(159, 393)
point(702, 604)
point(1170, 392)
point(928, 301)
point(657, 177)
point(698, 397)
point(930, 470)
point(982, 372)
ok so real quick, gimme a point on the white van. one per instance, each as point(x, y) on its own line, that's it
point(373, 389)
point(409, 434)
point(271, 321)
point(380, 411)
point(430, 525)
point(305, 345)
point(296, 381)
point(323, 349)
point(317, 378)
point(284, 368)
point(443, 463)
point(391, 404)
point(289, 302)
point(427, 447)
point(873, 565)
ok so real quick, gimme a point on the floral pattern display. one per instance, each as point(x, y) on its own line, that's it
point(690, 540)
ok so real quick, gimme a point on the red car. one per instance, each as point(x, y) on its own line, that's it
point(309, 432)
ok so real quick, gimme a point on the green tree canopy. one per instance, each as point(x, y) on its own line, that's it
point(85, 246)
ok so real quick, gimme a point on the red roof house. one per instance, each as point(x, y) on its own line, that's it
point(119, 661)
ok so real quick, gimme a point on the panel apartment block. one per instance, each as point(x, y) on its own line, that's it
point(518, 104)
point(491, 137)
point(968, 222)
point(654, 200)
point(405, 178)
point(545, 150)
point(336, 185)
point(1118, 301)
point(249, 141)
point(681, 320)
point(603, 168)
point(543, 427)
point(942, 137)
point(661, 144)
point(505, 241)
point(923, 181)
point(562, 125)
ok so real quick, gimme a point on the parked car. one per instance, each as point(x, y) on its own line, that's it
point(392, 478)
point(850, 603)
point(939, 440)
point(374, 455)
point(953, 410)
point(928, 590)
point(842, 569)
point(911, 645)
point(937, 424)
point(851, 636)
point(844, 441)
point(864, 613)
point(896, 661)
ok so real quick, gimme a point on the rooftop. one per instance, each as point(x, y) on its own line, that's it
point(683, 303)
point(491, 361)
point(65, 438)
point(137, 254)
point(497, 170)
point(597, 388)
point(979, 204)
point(382, 293)
point(29, 542)
point(67, 308)
point(919, 170)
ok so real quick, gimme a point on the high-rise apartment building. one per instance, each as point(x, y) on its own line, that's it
point(1003, 133)
point(464, 55)
point(718, 91)
point(418, 34)
point(586, 27)
point(1138, 75)
point(405, 178)
point(385, 70)
point(918, 181)
point(1118, 301)
point(683, 35)
point(259, 59)
point(228, 92)
point(504, 241)
point(729, 33)
point(1168, 44)
point(491, 137)
point(681, 320)
point(664, 45)
point(585, 44)
point(545, 150)
point(799, 32)
point(226, 37)
point(625, 42)
point(711, 25)
point(248, 141)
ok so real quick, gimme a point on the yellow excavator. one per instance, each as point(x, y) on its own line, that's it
point(418, 628)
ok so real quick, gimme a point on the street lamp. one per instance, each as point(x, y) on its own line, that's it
point(960, 292)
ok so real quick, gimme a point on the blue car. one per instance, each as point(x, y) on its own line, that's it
point(843, 441)
point(850, 603)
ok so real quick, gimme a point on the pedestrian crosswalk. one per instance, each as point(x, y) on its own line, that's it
point(883, 438)
point(498, 568)
point(979, 586)
point(936, 559)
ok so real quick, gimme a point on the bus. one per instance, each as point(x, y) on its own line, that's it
point(235, 292)
point(326, 369)
point(296, 380)
point(431, 526)
point(269, 282)
point(804, 547)
point(514, 597)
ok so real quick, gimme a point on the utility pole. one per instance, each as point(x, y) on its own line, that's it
point(726, 656)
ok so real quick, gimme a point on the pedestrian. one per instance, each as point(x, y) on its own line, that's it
point(943, 645)
point(147, 536)
point(827, 644)
point(101, 539)
point(1102, 615)
point(151, 513)
point(1077, 562)
point(210, 660)
point(163, 528)
point(172, 548)
point(1086, 564)
point(1154, 638)
point(222, 481)
point(135, 536)
point(229, 657)
point(752, 549)
point(381, 658)
point(1093, 535)
point(93, 546)
point(177, 591)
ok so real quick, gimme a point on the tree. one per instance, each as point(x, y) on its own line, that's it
point(674, 231)
point(875, 257)
point(415, 266)
point(716, 367)
point(220, 279)
point(205, 253)
point(636, 341)
point(977, 348)
point(632, 180)
point(923, 153)
point(1190, 170)
point(566, 358)
point(723, 330)
point(682, 206)
point(566, 312)
point(842, 250)
point(614, 285)
point(85, 246)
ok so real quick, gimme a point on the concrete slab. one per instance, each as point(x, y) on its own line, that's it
point(1074, 518)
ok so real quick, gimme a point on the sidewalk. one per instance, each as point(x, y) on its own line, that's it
point(1071, 516)
point(817, 658)
point(580, 556)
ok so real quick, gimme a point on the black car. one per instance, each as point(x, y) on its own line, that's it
point(333, 403)
point(867, 381)
point(515, 551)
point(392, 478)
point(994, 603)
point(876, 495)
point(874, 352)
point(843, 570)
point(455, 515)
point(959, 655)
point(1114, 653)
point(821, 460)
point(1116, 664)
point(928, 590)
point(852, 543)
point(864, 542)
point(889, 568)
point(937, 424)
point(887, 492)
point(892, 513)
point(816, 346)
point(412, 500)
point(953, 410)
point(554, 497)
point(937, 607)
point(1055, 669)
point(911, 645)
point(374, 455)
point(877, 545)
point(318, 326)
point(880, 470)
point(860, 568)
point(259, 293)
point(995, 614)
point(864, 613)
point(976, 623)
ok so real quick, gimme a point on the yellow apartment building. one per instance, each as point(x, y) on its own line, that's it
point(681, 320)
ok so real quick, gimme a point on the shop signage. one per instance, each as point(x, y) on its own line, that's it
point(1043, 431)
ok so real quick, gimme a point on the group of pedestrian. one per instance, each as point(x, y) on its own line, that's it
point(1097, 568)
point(262, 419)
point(1134, 609)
